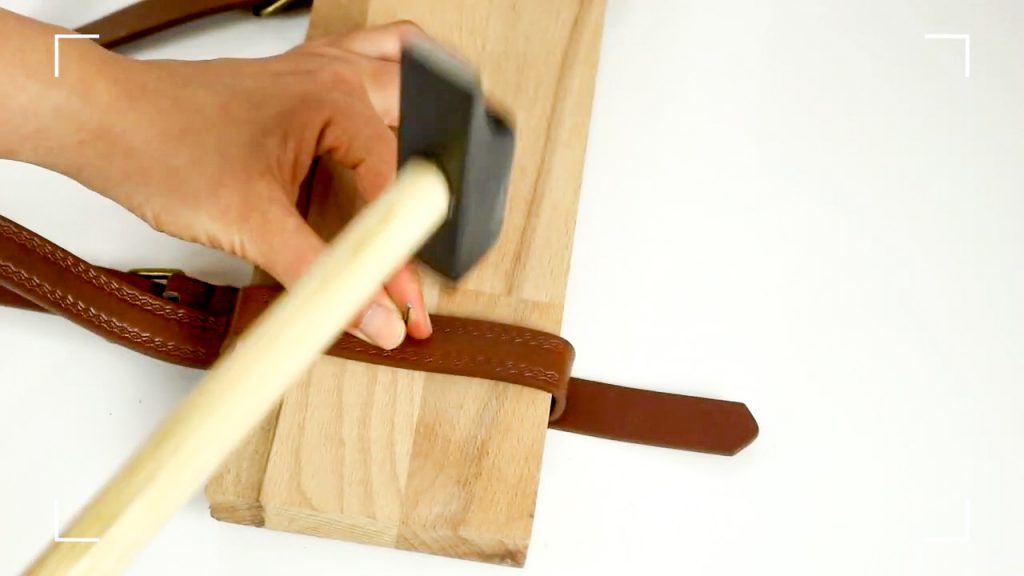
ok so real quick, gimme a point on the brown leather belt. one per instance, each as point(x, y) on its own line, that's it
point(182, 320)
point(186, 321)
point(151, 16)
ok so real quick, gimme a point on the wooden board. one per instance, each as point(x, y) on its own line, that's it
point(433, 463)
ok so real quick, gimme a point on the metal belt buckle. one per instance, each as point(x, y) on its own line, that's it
point(159, 276)
point(272, 7)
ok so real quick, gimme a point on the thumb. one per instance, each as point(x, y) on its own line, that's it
point(283, 244)
point(288, 246)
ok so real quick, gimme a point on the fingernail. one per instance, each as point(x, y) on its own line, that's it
point(381, 326)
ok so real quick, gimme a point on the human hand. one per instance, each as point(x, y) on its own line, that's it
point(215, 151)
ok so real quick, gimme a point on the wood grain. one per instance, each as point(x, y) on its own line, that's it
point(242, 385)
point(442, 464)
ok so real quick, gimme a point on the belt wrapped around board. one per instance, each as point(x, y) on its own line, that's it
point(173, 317)
point(185, 321)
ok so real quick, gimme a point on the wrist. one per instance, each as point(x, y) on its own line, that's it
point(58, 123)
point(88, 115)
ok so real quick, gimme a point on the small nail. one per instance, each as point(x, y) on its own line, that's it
point(381, 326)
point(407, 313)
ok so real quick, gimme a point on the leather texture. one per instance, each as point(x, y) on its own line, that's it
point(151, 16)
point(186, 321)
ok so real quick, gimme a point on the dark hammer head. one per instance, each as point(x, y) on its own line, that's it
point(444, 118)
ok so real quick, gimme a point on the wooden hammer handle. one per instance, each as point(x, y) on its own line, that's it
point(244, 385)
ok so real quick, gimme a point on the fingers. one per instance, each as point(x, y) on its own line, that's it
point(376, 53)
point(380, 49)
point(288, 250)
point(383, 42)
point(383, 87)
point(370, 150)
point(404, 289)
point(380, 323)
point(356, 138)
point(283, 244)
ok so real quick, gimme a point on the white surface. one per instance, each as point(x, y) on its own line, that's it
point(802, 206)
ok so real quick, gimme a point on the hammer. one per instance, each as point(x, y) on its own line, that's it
point(448, 198)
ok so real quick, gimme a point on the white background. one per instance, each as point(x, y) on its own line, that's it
point(801, 205)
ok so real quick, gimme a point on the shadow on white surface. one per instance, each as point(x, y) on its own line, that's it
point(804, 206)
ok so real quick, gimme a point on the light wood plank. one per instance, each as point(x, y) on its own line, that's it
point(441, 464)
point(244, 385)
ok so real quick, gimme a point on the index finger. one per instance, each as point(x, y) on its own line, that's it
point(357, 138)
point(384, 42)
